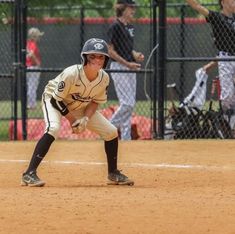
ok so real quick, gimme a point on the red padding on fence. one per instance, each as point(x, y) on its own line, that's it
point(35, 127)
point(101, 20)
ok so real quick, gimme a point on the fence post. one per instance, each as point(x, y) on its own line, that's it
point(16, 66)
point(161, 67)
point(154, 114)
point(81, 28)
point(23, 35)
point(182, 53)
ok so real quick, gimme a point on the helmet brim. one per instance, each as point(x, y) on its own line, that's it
point(95, 52)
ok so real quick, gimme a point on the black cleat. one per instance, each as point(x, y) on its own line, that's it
point(31, 179)
point(117, 178)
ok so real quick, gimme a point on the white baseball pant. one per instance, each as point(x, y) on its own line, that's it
point(227, 76)
point(97, 123)
point(32, 79)
point(125, 87)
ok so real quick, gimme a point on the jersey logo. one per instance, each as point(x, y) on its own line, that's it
point(77, 97)
point(131, 31)
point(61, 86)
point(98, 46)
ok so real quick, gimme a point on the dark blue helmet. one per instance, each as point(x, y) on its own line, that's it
point(95, 46)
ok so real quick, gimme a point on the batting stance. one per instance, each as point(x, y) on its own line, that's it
point(76, 94)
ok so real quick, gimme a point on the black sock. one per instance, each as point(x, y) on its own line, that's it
point(111, 149)
point(40, 151)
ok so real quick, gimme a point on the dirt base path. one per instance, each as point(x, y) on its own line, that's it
point(181, 187)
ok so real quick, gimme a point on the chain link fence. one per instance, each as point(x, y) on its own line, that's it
point(193, 107)
point(200, 95)
point(65, 31)
point(6, 69)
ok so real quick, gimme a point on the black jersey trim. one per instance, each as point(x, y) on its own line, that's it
point(47, 116)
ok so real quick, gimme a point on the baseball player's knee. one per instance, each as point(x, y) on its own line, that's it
point(111, 134)
point(54, 129)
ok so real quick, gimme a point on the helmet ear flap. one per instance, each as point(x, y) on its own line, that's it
point(84, 59)
point(106, 62)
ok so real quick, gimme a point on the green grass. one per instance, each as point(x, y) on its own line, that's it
point(4, 128)
point(142, 108)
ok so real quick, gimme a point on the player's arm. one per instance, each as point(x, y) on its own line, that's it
point(198, 7)
point(114, 55)
point(61, 107)
point(79, 125)
point(32, 55)
point(210, 66)
point(91, 109)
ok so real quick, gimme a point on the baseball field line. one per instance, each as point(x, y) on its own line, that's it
point(143, 165)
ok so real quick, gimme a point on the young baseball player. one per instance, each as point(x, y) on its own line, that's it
point(124, 57)
point(223, 27)
point(33, 61)
point(76, 94)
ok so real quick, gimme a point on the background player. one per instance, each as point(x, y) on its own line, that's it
point(33, 61)
point(223, 27)
point(124, 57)
point(76, 94)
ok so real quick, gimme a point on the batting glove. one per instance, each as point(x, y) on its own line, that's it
point(80, 125)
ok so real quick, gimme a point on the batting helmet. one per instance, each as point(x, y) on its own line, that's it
point(95, 46)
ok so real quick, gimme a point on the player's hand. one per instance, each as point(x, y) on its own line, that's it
point(30, 53)
point(138, 56)
point(134, 66)
point(80, 125)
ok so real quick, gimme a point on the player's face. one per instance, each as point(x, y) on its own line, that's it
point(228, 5)
point(96, 60)
point(129, 12)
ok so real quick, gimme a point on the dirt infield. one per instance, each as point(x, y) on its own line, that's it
point(181, 187)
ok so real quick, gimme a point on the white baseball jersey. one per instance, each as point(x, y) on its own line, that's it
point(76, 91)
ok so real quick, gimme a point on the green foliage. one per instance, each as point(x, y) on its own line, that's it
point(69, 3)
point(71, 8)
point(97, 7)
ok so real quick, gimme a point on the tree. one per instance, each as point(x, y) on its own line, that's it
point(74, 5)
